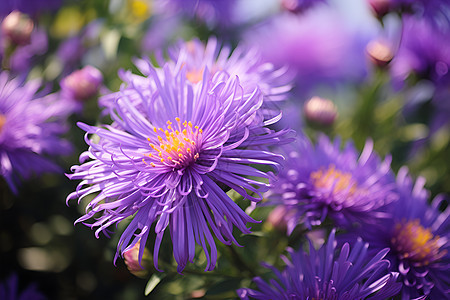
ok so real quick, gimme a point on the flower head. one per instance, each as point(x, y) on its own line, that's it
point(214, 13)
point(326, 181)
point(9, 289)
point(30, 129)
point(245, 62)
point(317, 46)
point(324, 274)
point(171, 148)
point(418, 235)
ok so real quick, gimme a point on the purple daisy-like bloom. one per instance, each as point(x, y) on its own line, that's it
point(322, 274)
point(316, 45)
point(9, 290)
point(212, 12)
point(194, 57)
point(418, 235)
point(30, 127)
point(31, 7)
point(326, 181)
point(164, 163)
point(424, 50)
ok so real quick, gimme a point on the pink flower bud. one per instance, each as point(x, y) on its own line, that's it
point(379, 52)
point(320, 111)
point(380, 7)
point(82, 84)
point(131, 258)
point(17, 27)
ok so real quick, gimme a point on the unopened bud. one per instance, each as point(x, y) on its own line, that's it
point(320, 111)
point(298, 6)
point(82, 84)
point(277, 218)
point(379, 52)
point(131, 257)
point(380, 7)
point(18, 27)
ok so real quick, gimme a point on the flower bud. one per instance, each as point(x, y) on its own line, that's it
point(298, 6)
point(380, 7)
point(17, 27)
point(82, 84)
point(277, 218)
point(379, 52)
point(320, 111)
point(131, 258)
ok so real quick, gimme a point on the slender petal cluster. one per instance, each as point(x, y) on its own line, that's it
point(418, 235)
point(323, 274)
point(173, 151)
point(245, 62)
point(30, 129)
point(326, 181)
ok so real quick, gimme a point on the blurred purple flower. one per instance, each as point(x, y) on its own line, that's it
point(22, 58)
point(31, 7)
point(418, 235)
point(9, 290)
point(30, 128)
point(21, 44)
point(324, 274)
point(316, 45)
point(165, 160)
point(434, 11)
point(72, 50)
point(424, 51)
point(326, 181)
point(212, 12)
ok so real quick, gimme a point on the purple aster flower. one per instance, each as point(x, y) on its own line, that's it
point(424, 51)
point(418, 235)
point(323, 274)
point(31, 7)
point(326, 181)
point(245, 62)
point(211, 12)
point(30, 127)
point(9, 290)
point(317, 46)
point(435, 11)
point(166, 161)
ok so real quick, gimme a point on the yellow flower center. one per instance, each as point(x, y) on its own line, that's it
point(333, 179)
point(2, 121)
point(194, 76)
point(416, 243)
point(176, 147)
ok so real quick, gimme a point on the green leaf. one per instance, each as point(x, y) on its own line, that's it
point(153, 282)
